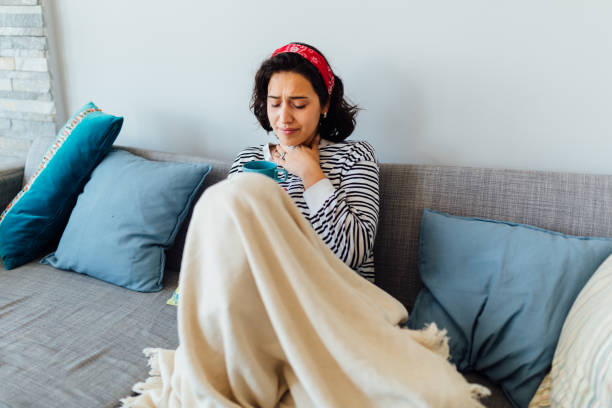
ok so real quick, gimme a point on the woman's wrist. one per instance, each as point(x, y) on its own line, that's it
point(311, 178)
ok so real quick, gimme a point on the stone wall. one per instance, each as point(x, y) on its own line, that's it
point(27, 107)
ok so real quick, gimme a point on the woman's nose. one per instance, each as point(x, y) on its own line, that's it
point(285, 114)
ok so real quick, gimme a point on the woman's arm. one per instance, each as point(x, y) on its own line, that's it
point(346, 217)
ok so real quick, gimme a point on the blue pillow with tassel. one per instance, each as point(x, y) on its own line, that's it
point(34, 220)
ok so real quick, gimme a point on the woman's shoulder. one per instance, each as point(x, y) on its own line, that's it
point(356, 150)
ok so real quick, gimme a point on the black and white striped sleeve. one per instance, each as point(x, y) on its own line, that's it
point(346, 216)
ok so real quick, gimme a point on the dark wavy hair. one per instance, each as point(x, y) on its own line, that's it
point(340, 120)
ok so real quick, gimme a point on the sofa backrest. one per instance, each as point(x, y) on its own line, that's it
point(575, 204)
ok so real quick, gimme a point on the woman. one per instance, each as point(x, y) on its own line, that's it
point(333, 183)
point(271, 314)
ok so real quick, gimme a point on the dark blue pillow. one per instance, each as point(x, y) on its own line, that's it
point(502, 290)
point(127, 216)
point(36, 217)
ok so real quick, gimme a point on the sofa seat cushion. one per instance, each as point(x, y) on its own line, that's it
point(76, 341)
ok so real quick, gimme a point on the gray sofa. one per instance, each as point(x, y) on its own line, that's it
point(68, 340)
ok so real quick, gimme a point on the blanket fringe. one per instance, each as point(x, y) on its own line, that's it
point(479, 391)
point(432, 338)
point(436, 340)
point(129, 402)
point(153, 382)
point(153, 355)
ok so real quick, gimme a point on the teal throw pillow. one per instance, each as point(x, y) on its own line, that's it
point(126, 217)
point(502, 291)
point(36, 217)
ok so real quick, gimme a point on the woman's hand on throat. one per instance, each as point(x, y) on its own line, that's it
point(301, 160)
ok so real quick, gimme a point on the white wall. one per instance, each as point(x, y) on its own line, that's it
point(521, 84)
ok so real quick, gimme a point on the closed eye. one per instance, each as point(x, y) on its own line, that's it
point(276, 105)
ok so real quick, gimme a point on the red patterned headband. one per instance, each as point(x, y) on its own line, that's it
point(315, 59)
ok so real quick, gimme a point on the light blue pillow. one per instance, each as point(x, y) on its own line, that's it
point(502, 290)
point(36, 217)
point(127, 216)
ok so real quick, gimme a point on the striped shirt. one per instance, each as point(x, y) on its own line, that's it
point(342, 208)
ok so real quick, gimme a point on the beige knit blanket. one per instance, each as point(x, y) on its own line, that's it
point(268, 316)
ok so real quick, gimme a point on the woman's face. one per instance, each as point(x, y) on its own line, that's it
point(293, 108)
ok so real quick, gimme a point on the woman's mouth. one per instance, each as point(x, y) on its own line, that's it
point(288, 131)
